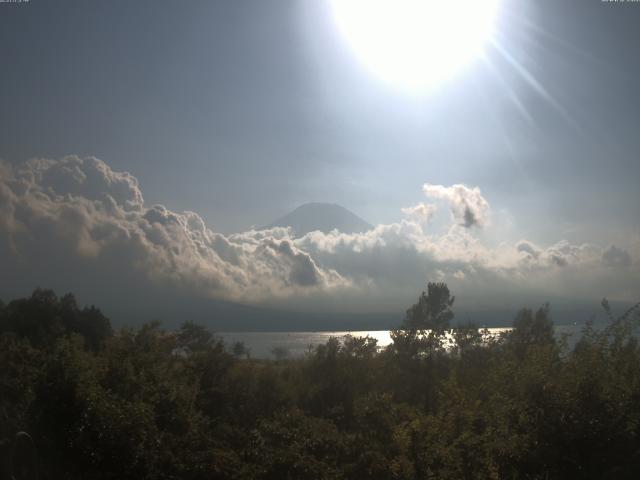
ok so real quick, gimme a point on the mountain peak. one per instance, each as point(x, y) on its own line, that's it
point(325, 217)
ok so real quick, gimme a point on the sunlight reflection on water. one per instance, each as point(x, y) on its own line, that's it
point(261, 344)
point(296, 344)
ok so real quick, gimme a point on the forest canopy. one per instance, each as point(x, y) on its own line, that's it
point(147, 403)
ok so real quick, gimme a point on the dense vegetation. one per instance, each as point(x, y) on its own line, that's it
point(152, 404)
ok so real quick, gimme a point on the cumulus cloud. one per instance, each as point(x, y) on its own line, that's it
point(422, 212)
point(76, 223)
point(83, 212)
point(391, 258)
point(468, 207)
point(531, 251)
point(560, 254)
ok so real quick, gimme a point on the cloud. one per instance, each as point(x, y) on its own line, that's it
point(468, 207)
point(531, 250)
point(88, 178)
point(76, 225)
point(560, 254)
point(390, 260)
point(422, 212)
point(616, 257)
point(78, 215)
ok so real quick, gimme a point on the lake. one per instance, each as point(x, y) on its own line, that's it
point(261, 344)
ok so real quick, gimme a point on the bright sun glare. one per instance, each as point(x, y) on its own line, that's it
point(416, 44)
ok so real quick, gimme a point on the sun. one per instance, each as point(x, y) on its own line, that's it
point(416, 44)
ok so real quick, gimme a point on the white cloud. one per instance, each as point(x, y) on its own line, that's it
point(561, 254)
point(422, 212)
point(81, 211)
point(74, 223)
point(468, 207)
point(392, 259)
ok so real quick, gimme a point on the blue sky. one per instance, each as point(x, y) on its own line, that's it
point(242, 110)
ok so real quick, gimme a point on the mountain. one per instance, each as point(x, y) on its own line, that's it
point(322, 216)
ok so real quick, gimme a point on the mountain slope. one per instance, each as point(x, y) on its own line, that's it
point(322, 216)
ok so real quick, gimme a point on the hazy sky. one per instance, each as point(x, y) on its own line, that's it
point(242, 110)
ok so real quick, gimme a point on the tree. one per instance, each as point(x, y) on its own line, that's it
point(194, 338)
point(280, 353)
point(239, 350)
point(433, 310)
point(532, 329)
point(43, 318)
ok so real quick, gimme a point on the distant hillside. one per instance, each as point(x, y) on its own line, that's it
point(324, 217)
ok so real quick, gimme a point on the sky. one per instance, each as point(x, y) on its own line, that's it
point(517, 175)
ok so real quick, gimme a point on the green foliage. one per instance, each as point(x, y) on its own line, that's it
point(531, 329)
point(280, 353)
point(439, 403)
point(44, 317)
point(239, 349)
point(433, 310)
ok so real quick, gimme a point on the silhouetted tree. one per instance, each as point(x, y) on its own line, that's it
point(280, 353)
point(432, 311)
point(194, 338)
point(239, 349)
point(532, 329)
point(42, 318)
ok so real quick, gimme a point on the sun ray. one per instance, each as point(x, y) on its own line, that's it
point(513, 97)
point(531, 80)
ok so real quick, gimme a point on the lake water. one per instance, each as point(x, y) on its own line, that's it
point(262, 344)
point(296, 344)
